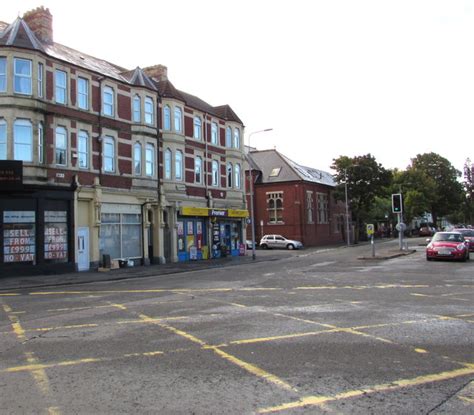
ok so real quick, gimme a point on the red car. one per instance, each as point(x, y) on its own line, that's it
point(447, 245)
point(468, 236)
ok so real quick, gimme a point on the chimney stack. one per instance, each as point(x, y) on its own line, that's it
point(157, 72)
point(40, 21)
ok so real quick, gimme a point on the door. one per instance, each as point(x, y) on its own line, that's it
point(83, 249)
point(280, 242)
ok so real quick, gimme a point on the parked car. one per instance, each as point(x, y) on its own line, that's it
point(447, 245)
point(468, 236)
point(248, 244)
point(278, 241)
point(426, 231)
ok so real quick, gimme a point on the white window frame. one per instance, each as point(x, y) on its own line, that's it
point(3, 140)
point(167, 118)
point(3, 73)
point(83, 95)
point(60, 146)
point(17, 144)
point(197, 124)
point(167, 163)
point(229, 174)
point(228, 137)
point(40, 83)
point(149, 111)
point(108, 101)
point(109, 154)
point(40, 143)
point(60, 89)
point(137, 109)
point(137, 159)
point(178, 165)
point(178, 119)
point(19, 77)
point(214, 133)
point(83, 144)
point(236, 138)
point(237, 176)
point(215, 173)
point(198, 170)
point(149, 160)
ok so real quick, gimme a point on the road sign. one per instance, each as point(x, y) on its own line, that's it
point(401, 227)
point(370, 229)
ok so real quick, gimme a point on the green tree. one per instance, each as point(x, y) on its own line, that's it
point(468, 183)
point(366, 179)
point(445, 191)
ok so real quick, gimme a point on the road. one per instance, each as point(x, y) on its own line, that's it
point(316, 331)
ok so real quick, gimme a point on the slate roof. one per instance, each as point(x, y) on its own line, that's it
point(19, 34)
point(139, 78)
point(286, 170)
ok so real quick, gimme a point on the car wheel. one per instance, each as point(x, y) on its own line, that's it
point(290, 247)
point(264, 246)
point(429, 259)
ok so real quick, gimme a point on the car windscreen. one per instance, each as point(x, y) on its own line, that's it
point(449, 237)
point(467, 232)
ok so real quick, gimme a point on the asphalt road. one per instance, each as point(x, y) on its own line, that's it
point(316, 331)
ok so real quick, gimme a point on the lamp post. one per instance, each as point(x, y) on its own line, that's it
point(252, 214)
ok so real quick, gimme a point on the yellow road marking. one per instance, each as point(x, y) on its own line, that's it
point(360, 287)
point(398, 384)
point(419, 350)
point(54, 410)
point(9, 295)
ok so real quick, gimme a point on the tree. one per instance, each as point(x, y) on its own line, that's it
point(366, 179)
point(445, 191)
point(468, 205)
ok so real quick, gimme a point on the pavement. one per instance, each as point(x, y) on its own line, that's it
point(384, 250)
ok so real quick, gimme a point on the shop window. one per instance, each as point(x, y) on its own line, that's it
point(120, 235)
point(55, 236)
point(19, 239)
point(275, 207)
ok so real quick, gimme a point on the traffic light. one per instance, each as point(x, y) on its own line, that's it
point(397, 203)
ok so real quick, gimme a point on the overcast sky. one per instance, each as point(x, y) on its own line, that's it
point(331, 77)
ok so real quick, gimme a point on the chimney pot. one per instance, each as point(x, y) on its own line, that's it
point(157, 72)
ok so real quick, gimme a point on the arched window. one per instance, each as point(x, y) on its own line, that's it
point(137, 109)
point(167, 118)
point(236, 138)
point(109, 154)
point(178, 173)
point(22, 140)
point(168, 163)
point(214, 133)
point(83, 149)
point(149, 111)
point(215, 173)
point(177, 119)
point(230, 172)
point(61, 146)
point(3, 140)
point(237, 180)
point(198, 170)
point(197, 128)
point(228, 137)
point(137, 158)
point(150, 160)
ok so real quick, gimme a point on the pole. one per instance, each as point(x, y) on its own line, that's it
point(400, 232)
point(347, 209)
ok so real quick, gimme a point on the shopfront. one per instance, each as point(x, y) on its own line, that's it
point(204, 233)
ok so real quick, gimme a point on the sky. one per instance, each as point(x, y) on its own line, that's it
point(393, 78)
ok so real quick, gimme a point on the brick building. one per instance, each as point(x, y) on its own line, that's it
point(85, 169)
point(294, 201)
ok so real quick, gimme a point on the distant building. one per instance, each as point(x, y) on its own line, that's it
point(98, 161)
point(295, 201)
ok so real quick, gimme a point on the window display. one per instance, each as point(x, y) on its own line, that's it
point(55, 235)
point(19, 236)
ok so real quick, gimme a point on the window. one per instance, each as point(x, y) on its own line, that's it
point(214, 133)
point(275, 172)
point(109, 154)
point(22, 140)
point(236, 138)
point(83, 149)
point(22, 76)
point(61, 146)
point(137, 158)
point(60, 86)
point(3, 140)
point(309, 207)
point(238, 181)
point(228, 137)
point(323, 210)
point(198, 170)
point(40, 143)
point(83, 93)
point(150, 160)
point(230, 172)
point(137, 109)
point(197, 128)
point(178, 174)
point(121, 235)
point(215, 173)
point(275, 207)
point(177, 119)
point(167, 118)
point(168, 163)
point(108, 98)
point(149, 111)
point(3, 74)
point(40, 79)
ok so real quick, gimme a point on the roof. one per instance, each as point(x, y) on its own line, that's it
point(276, 168)
point(139, 78)
point(20, 35)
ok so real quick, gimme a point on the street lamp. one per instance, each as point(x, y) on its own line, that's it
point(252, 215)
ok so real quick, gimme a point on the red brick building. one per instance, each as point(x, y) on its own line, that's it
point(294, 201)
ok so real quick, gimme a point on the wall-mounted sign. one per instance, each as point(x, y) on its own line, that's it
point(215, 213)
point(11, 174)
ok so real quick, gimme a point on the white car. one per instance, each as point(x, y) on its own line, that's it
point(278, 241)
